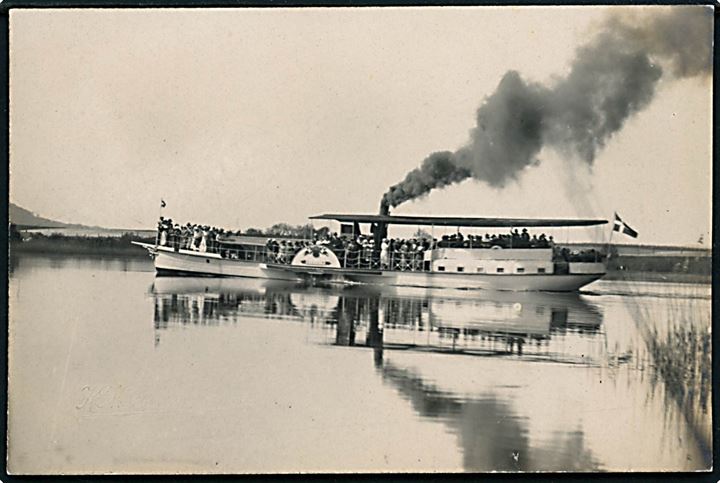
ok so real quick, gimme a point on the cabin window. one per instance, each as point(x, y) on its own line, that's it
point(480, 269)
point(303, 261)
point(327, 263)
point(541, 270)
point(500, 270)
point(441, 268)
point(460, 269)
point(520, 270)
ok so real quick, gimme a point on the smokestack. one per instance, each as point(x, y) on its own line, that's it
point(381, 227)
point(611, 78)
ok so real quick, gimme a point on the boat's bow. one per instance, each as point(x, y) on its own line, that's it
point(152, 249)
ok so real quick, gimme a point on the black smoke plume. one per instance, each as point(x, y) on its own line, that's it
point(611, 78)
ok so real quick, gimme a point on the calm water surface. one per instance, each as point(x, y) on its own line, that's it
point(115, 370)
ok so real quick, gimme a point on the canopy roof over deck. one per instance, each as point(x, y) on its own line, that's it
point(458, 221)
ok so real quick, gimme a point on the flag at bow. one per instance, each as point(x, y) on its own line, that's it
point(162, 203)
point(623, 227)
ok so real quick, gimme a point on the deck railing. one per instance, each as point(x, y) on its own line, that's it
point(360, 259)
point(369, 260)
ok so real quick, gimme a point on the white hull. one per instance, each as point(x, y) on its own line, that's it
point(185, 262)
point(514, 282)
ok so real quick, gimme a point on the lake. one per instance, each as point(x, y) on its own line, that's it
point(114, 370)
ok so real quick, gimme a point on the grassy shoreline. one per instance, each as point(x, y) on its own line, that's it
point(668, 277)
point(81, 245)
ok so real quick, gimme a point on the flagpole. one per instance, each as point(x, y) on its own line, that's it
point(157, 232)
point(157, 229)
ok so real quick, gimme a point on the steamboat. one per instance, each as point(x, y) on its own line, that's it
point(478, 264)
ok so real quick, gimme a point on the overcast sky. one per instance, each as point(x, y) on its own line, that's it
point(250, 117)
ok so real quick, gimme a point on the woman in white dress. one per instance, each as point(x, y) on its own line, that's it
point(385, 253)
point(203, 240)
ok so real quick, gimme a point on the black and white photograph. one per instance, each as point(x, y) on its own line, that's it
point(420, 239)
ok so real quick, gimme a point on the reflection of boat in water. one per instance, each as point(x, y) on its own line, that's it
point(381, 316)
point(519, 266)
point(520, 313)
point(206, 285)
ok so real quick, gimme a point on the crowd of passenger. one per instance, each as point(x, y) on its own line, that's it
point(354, 252)
point(590, 255)
point(283, 251)
point(514, 239)
point(362, 252)
point(191, 236)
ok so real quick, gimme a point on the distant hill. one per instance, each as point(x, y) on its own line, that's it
point(21, 217)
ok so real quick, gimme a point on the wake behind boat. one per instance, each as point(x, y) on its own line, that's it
point(516, 261)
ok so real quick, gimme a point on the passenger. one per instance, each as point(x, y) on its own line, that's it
point(186, 236)
point(197, 235)
point(477, 241)
point(163, 235)
point(281, 252)
point(363, 250)
point(269, 249)
point(524, 241)
point(160, 229)
point(411, 252)
point(353, 253)
point(275, 250)
point(176, 234)
point(289, 251)
point(210, 242)
point(427, 256)
point(485, 241)
point(168, 233)
point(419, 256)
point(219, 236)
point(404, 250)
point(513, 239)
point(203, 240)
point(371, 261)
point(337, 242)
point(542, 241)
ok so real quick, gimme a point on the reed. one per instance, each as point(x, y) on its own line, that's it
point(678, 340)
point(682, 359)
